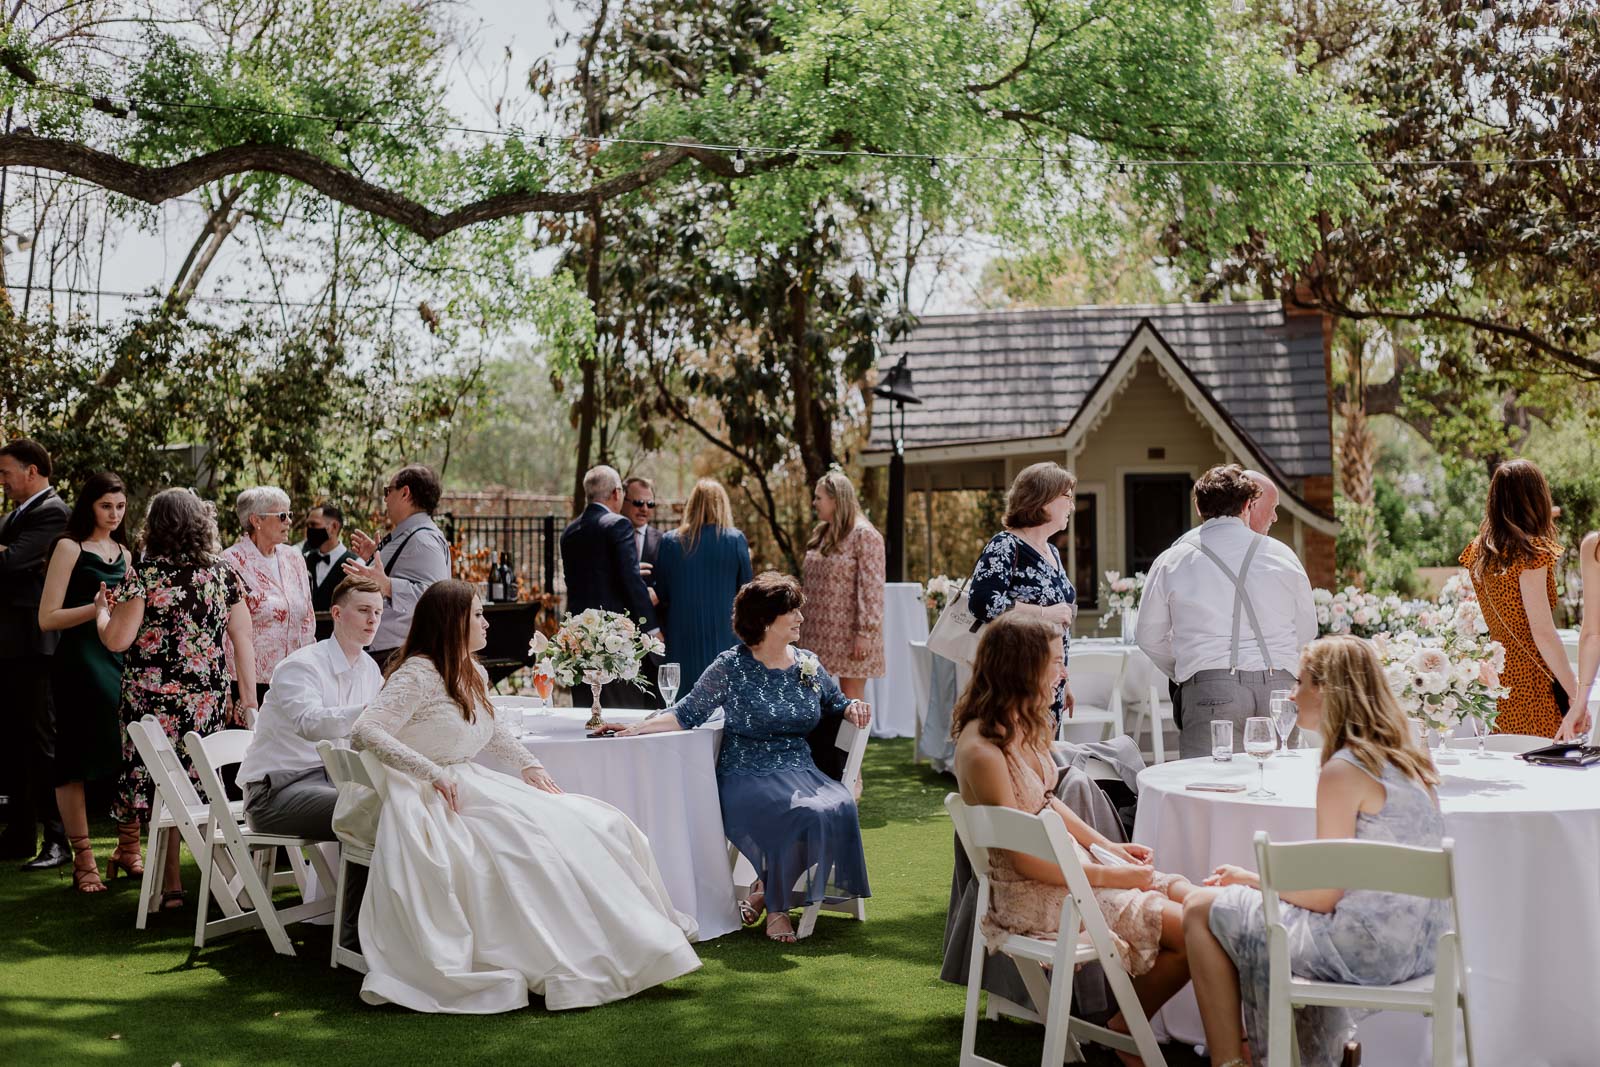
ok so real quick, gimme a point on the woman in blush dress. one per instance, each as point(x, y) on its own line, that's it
point(843, 576)
point(485, 886)
point(277, 589)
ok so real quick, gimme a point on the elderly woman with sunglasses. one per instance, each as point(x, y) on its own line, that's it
point(277, 590)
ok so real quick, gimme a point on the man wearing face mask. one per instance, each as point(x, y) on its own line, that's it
point(324, 551)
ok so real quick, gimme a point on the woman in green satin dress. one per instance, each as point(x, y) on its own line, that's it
point(85, 676)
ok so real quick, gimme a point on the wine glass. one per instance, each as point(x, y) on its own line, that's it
point(1481, 728)
point(1260, 742)
point(1284, 716)
point(667, 681)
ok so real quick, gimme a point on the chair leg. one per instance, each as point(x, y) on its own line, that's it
point(155, 862)
point(808, 921)
point(338, 912)
point(203, 910)
point(265, 915)
point(1158, 742)
point(1058, 1017)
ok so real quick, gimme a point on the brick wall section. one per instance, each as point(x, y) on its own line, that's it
point(1319, 561)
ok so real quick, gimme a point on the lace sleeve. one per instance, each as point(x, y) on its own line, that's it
point(708, 694)
point(402, 695)
point(503, 745)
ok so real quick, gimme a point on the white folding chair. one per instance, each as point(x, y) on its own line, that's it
point(1501, 742)
point(1107, 669)
point(922, 685)
point(346, 767)
point(176, 806)
point(1159, 713)
point(1084, 938)
point(1373, 865)
point(247, 852)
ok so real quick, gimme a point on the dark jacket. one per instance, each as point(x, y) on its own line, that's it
point(322, 595)
point(28, 536)
point(652, 551)
point(602, 566)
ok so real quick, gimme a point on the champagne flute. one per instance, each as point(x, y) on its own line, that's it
point(1260, 742)
point(667, 680)
point(1284, 717)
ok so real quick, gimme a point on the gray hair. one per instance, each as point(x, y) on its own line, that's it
point(259, 501)
point(601, 482)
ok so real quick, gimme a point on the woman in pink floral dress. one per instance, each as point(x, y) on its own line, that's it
point(277, 589)
point(843, 578)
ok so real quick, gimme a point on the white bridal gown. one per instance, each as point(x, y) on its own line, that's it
point(520, 890)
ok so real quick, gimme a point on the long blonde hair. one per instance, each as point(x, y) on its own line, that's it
point(1359, 711)
point(826, 536)
point(1013, 683)
point(708, 506)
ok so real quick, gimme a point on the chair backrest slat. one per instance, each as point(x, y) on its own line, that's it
point(1111, 664)
point(171, 776)
point(1354, 865)
point(344, 765)
point(199, 749)
point(852, 740)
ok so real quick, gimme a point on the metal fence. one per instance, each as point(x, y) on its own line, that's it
point(530, 540)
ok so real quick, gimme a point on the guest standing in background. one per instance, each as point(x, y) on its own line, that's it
point(1020, 570)
point(702, 566)
point(600, 558)
point(1577, 722)
point(26, 535)
point(276, 589)
point(1513, 563)
point(843, 576)
point(639, 508)
point(412, 555)
point(324, 552)
point(172, 615)
point(85, 676)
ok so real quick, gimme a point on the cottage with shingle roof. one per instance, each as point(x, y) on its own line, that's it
point(1137, 400)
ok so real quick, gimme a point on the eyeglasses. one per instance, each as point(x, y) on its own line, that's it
point(651, 504)
point(281, 516)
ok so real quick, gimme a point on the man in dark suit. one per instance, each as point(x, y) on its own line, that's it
point(26, 537)
point(324, 551)
point(639, 508)
point(601, 562)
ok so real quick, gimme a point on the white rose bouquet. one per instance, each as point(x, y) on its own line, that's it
point(1448, 671)
point(938, 592)
point(594, 648)
point(1122, 595)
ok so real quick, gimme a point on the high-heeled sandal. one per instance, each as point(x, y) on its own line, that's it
point(782, 938)
point(749, 911)
point(126, 856)
point(172, 899)
point(85, 877)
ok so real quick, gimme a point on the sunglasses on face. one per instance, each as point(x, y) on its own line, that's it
point(281, 516)
point(651, 504)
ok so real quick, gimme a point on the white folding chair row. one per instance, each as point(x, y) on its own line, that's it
point(1354, 865)
point(1501, 742)
point(1085, 938)
point(347, 767)
point(246, 852)
point(852, 740)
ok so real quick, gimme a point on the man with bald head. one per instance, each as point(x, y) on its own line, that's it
point(1262, 512)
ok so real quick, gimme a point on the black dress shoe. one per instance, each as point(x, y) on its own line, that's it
point(53, 854)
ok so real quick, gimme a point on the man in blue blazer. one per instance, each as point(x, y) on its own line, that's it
point(601, 562)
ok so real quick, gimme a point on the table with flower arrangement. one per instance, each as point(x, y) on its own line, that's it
point(1527, 850)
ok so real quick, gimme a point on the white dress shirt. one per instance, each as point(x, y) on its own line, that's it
point(638, 541)
point(1186, 612)
point(316, 695)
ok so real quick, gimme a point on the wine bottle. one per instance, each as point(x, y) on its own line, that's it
point(496, 585)
point(508, 578)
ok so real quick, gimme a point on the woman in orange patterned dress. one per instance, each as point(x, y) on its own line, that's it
point(843, 578)
point(1512, 562)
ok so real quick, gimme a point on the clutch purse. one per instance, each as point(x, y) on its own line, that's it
point(1563, 755)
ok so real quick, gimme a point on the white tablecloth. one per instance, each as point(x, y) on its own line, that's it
point(666, 783)
point(894, 696)
point(1528, 879)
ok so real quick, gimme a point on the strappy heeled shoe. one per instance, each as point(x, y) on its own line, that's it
point(782, 937)
point(172, 899)
point(85, 871)
point(749, 910)
point(126, 857)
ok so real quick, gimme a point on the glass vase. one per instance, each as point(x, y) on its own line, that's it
point(595, 721)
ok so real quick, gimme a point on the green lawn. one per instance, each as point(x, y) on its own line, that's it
point(79, 985)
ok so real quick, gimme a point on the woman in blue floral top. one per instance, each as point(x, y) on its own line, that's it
point(1020, 570)
point(796, 826)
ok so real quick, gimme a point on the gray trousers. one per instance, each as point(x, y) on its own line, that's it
point(301, 805)
point(1223, 694)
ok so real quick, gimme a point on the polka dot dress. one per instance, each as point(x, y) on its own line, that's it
point(1531, 706)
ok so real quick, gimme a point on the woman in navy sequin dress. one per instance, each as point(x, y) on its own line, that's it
point(797, 827)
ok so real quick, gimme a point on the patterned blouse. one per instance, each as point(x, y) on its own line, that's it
point(766, 713)
point(1010, 571)
point(277, 590)
point(844, 599)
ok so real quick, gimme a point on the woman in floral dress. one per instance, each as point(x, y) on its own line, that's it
point(843, 576)
point(1020, 569)
point(170, 615)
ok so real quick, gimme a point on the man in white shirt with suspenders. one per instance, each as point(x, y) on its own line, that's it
point(1225, 611)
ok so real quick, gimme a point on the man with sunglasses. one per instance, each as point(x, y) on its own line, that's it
point(411, 557)
point(639, 508)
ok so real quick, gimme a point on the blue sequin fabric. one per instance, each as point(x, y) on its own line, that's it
point(766, 713)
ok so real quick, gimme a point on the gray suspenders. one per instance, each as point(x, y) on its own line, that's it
point(1241, 601)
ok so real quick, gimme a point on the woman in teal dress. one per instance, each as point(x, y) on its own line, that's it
point(700, 567)
point(85, 676)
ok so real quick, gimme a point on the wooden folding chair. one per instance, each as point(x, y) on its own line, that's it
point(1084, 938)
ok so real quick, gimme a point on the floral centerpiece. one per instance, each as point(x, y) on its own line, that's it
point(937, 593)
point(595, 648)
point(1122, 599)
point(1352, 611)
point(1446, 669)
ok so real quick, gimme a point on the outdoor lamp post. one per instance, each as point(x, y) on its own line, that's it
point(896, 387)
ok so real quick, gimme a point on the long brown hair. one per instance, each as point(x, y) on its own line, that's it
point(826, 536)
point(1013, 684)
point(1519, 511)
point(1359, 711)
point(708, 506)
point(441, 630)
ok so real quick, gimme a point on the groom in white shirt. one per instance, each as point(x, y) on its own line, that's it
point(316, 695)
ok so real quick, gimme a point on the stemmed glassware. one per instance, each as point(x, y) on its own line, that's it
point(1482, 730)
point(1284, 716)
point(667, 680)
point(544, 685)
point(1260, 742)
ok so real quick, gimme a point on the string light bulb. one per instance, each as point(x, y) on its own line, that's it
point(1122, 167)
point(133, 110)
point(738, 162)
point(933, 167)
point(1309, 175)
point(339, 134)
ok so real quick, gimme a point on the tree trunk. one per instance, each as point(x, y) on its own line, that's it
point(1357, 459)
point(589, 401)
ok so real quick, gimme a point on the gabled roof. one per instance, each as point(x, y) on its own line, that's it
point(1012, 375)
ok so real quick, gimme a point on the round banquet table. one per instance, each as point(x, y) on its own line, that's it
point(1527, 848)
point(666, 783)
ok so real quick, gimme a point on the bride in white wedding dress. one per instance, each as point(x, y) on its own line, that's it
point(484, 886)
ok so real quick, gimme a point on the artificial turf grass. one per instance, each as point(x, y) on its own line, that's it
point(79, 985)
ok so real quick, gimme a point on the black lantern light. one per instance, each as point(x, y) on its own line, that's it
point(896, 388)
